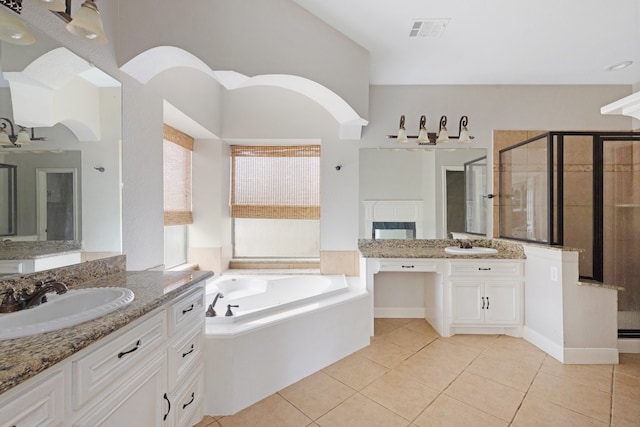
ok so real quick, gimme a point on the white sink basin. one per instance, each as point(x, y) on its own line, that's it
point(455, 250)
point(61, 311)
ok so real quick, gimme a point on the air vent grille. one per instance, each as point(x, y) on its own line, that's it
point(432, 28)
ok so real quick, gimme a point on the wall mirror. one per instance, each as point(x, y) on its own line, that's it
point(433, 181)
point(68, 178)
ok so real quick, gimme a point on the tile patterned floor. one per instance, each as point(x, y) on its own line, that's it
point(410, 377)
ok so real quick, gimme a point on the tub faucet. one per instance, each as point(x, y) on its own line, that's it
point(211, 312)
point(42, 288)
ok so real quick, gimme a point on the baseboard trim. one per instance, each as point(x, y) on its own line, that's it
point(629, 345)
point(543, 343)
point(591, 356)
point(399, 312)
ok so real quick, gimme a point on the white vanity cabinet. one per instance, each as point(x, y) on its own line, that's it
point(148, 373)
point(486, 296)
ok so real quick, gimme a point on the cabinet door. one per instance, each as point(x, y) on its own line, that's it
point(38, 405)
point(140, 401)
point(466, 302)
point(502, 302)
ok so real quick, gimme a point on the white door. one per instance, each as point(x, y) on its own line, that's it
point(57, 207)
point(466, 302)
point(501, 300)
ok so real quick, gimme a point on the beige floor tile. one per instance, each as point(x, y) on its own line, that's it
point(359, 411)
point(207, 421)
point(626, 412)
point(457, 357)
point(435, 374)
point(629, 364)
point(403, 396)
point(506, 347)
point(571, 395)
point(316, 394)
point(475, 341)
point(627, 386)
point(422, 326)
point(385, 353)
point(535, 412)
point(383, 326)
point(355, 371)
point(597, 376)
point(510, 372)
point(271, 411)
point(486, 395)
point(405, 337)
point(449, 412)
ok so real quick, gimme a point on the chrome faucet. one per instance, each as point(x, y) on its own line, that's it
point(211, 312)
point(39, 294)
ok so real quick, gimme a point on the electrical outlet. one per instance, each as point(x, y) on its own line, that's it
point(554, 273)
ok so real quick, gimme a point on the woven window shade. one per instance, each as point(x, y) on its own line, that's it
point(177, 147)
point(276, 182)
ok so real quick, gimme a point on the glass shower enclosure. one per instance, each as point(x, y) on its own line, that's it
point(582, 190)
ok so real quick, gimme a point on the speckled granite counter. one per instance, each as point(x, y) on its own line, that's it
point(23, 358)
point(32, 250)
point(434, 248)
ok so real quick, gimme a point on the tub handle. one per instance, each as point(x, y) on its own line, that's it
point(229, 312)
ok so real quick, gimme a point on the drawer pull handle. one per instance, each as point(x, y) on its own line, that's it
point(484, 268)
point(124, 353)
point(408, 266)
point(187, 309)
point(169, 407)
point(487, 303)
point(188, 352)
point(193, 397)
point(482, 303)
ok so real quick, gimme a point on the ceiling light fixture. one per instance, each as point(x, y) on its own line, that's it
point(12, 139)
point(13, 30)
point(431, 138)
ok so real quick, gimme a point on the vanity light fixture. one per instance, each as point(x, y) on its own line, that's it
point(12, 29)
point(85, 23)
point(12, 139)
point(431, 138)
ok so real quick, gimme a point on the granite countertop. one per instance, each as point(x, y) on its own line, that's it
point(23, 358)
point(434, 248)
point(32, 250)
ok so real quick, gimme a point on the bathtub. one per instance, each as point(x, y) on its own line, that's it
point(259, 296)
point(286, 328)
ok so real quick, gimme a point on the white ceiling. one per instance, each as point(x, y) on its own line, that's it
point(492, 41)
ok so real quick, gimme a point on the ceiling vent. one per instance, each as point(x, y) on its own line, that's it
point(432, 28)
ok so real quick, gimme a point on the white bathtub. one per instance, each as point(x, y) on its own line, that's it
point(286, 328)
point(259, 296)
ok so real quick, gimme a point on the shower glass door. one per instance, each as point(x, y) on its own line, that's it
point(621, 228)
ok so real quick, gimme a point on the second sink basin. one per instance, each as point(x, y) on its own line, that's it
point(455, 250)
point(61, 311)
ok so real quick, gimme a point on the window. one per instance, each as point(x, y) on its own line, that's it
point(275, 201)
point(177, 149)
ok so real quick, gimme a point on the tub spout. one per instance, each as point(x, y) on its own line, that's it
point(211, 312)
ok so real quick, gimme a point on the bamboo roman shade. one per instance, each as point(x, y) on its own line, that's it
point(276, 182)
point(177, 148)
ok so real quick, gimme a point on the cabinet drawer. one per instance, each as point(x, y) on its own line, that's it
point(185, 355)
point(39, 405)
point(187, 311)
point(97, 370)
point(410, 265)
point(485, 268)
point(188, 401)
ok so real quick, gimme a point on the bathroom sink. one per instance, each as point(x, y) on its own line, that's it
point(455, 250)
point(62, 311)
